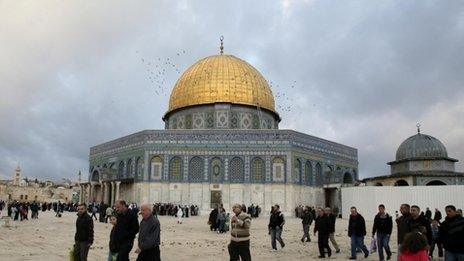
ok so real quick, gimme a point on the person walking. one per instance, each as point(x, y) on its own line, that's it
point(452, 235)
point(109, 212)
point(239, 246)
point(114, 244)
point(125, 230)
point(94, 211)
point(83, 237)
point(437, 216)
point(435, 228)
point(420, 223)
point(322, 228)
point(383, 226)
point(276, 224)
point(180, 213)
point(306, 220)
point(332, 219)
point(149, 236)
point(402, 224)
point(357, 231)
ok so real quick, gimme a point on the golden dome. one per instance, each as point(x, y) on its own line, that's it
point(221, 78)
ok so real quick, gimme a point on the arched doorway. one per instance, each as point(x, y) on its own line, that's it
point(347, 178)
point(401, 183)
point(436, 183)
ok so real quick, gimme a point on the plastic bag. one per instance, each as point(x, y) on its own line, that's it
point(373, 247)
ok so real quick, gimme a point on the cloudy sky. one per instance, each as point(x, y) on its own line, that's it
point(72, 76)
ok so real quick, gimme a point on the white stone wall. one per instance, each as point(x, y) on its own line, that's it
point(367, 199)
point(264, 195)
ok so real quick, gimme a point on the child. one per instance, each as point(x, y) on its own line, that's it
point(435, 235)
point(414, 248)
point(114, 246)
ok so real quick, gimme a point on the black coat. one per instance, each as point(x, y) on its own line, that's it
point(84, 229)
point(356, 226)
point(306, 218)
point(322, 225)
point(332, 219)
point(452, 234)
point(382, 225)
point(420, 224)
point(126, 228)
point(276, 220)
point(114, 243)
point(403, 227)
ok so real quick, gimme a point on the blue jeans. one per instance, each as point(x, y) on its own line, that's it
point(358, 242)
point(276, 235)
point(383, 241)
point(450, 256)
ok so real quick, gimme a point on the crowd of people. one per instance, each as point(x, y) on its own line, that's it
point(418, 233)
point(22, 210)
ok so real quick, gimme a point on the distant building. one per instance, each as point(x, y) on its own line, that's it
point(421, 160)
point(25, 190)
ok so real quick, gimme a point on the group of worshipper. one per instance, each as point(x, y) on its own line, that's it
point(219, 219)
point(169, 209)
point(125, 228)
point(20, 210)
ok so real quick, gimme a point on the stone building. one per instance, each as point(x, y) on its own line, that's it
point(421, 160)
point(221, 145)
point(25, 190)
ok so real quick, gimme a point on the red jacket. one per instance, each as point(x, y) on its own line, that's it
point(419, 256)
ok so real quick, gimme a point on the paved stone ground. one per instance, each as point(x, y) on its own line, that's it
point(50, 238)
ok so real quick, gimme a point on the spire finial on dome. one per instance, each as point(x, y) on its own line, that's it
point(418, 125)
point(222, 44)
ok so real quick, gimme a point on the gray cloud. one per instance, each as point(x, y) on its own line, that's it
point(363, 73)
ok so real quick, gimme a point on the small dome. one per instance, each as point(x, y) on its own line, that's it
point(221, 78)
point(421, 146)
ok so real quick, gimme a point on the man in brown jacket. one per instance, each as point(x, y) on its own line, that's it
point(240, 235)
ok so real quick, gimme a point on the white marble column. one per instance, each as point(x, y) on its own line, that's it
point(117, 189)
point(113, 192)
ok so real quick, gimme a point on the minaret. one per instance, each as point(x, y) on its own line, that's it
point(17, 176)
point(79, 177)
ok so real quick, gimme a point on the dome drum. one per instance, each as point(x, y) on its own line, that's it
point(221, 116)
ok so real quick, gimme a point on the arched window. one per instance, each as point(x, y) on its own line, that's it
point(156, 167)
point(95, 176)
point(196, 169)
point(436, 183)
point(175, 169)
point(236, 171)
point(257, 170)
point(319, 178)
point(216, 170)
point(401, 182)
point(139, 168)
point(347, 179)
point(308, 173)
point(278, 169)
point(130, 168)
point(297, 171)
point(121, 169)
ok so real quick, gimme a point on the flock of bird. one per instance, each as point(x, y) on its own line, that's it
point(161, 69)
